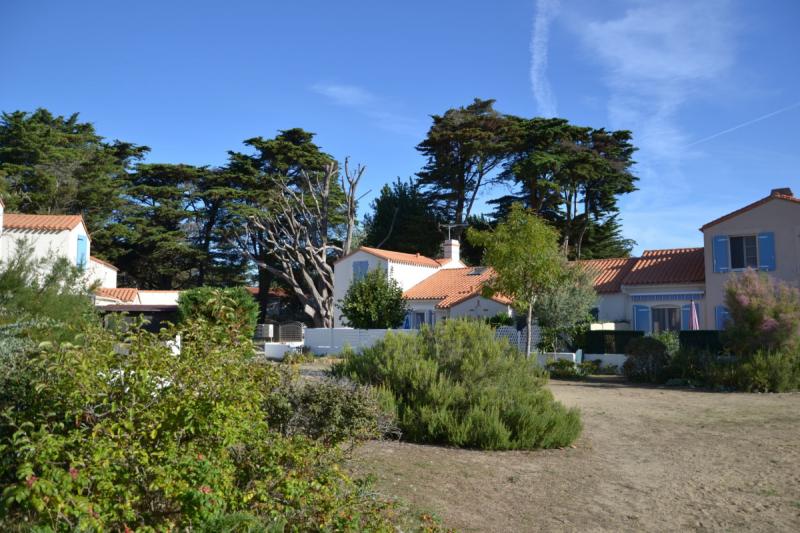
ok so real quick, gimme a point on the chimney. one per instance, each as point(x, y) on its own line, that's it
point(783, 191)
point(452, 250)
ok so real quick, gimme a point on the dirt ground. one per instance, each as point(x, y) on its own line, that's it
point(652, 459)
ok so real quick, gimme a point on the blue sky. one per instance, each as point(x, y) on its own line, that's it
point(710, 89)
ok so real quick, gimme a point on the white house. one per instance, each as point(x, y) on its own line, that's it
point(435, 289)
point(53, 236)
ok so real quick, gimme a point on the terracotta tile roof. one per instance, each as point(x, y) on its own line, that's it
point(452, 286)
point(123, 294)
point(41, 222)
point(609, 273)
point(677, 265)
point(777, 194)
point(400, 257)
point(102, 262)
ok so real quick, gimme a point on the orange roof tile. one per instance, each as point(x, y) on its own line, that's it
point(123, 294)
point(677, 265)
point(777, 194)
point(453, 285)
point(41, 222)
point(609, 272)
point(399, 257)
point(102, 262)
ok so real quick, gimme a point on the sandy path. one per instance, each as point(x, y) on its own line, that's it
point(649, 459)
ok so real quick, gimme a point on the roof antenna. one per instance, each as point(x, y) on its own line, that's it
point(450, 227)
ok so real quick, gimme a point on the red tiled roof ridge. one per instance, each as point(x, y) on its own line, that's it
point(41, 222)
point(123, 294)
point(452, 286)
point(610, 272)
point(398, 257)
point(667, 266)
point(737, 212)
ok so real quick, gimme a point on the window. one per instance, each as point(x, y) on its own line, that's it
point(666, 319)
point(419, 320)
point(82, 255)
point(744, 252)
point(359, 270)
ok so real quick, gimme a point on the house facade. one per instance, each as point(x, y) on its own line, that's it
point(435, 289)
point(764, 235)
point(52, 236)
point(656, 291)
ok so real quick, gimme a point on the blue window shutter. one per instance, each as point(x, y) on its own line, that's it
point(685, 316)
point(721, 255)
point(641, 318)
point(721, 314)
point(83, 251)
point(766, 251)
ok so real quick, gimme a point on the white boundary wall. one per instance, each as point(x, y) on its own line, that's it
point(606, 359)
point(324, 341)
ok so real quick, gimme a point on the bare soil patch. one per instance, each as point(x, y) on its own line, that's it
point(650, 458)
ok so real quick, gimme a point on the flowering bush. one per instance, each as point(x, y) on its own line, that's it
point(112, 432)
point(764, 314)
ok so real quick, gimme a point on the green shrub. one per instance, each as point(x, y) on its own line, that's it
point(766, 371)
point(220, 305)
point(500, 319)
point(647, 360)
point(565, 369)
point(332, 412)
point(98, 440)
point(456, 384)
point(374, 301)
point(670, 341)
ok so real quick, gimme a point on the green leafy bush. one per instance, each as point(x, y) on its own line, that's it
point(332, 412)
point(565, 369)
point(233, 304)
point(374, 301)
point(456, 384)
point(500, 319)
point(113, 431)
point(766, 371)
point(670, 340)
point(647, 360)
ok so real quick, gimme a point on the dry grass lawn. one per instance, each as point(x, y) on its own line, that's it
point(650, 459)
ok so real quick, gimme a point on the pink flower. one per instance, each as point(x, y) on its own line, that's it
point(205, 489)
point(73, 472)
point(743, 300)
point(769, 324)
point(200, 457)
point(31, 481)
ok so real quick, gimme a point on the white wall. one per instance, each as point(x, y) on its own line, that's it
point(324, 341)
point(158, 297)
point(613, 307)
point(479, 307)
point(104, 274)
point(409, 275)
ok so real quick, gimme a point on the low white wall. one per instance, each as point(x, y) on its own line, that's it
point(324, 341)
point(546, 357)
point(606, 359)
point(277, 350)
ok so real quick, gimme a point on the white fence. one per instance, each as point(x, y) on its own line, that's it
point(323, 341)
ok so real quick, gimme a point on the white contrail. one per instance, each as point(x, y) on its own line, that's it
point(545, 12)
point(743, 124)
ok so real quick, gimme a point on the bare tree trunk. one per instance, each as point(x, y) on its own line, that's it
point(351, 200)
point(529, 335)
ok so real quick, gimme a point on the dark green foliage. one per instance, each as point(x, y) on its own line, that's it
point(647, 360)
point(374, 302)
point(238, 304)
point(58, 165)
point(500, 319)
point(565, 369)
point(402, 221)
point(117, 432)
point(709, 340)
point(49, 293)
point(601, 342)
point(670, 340)
point(456, 384)
point(764, 314)
point(332, 412)
point(765, 371)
